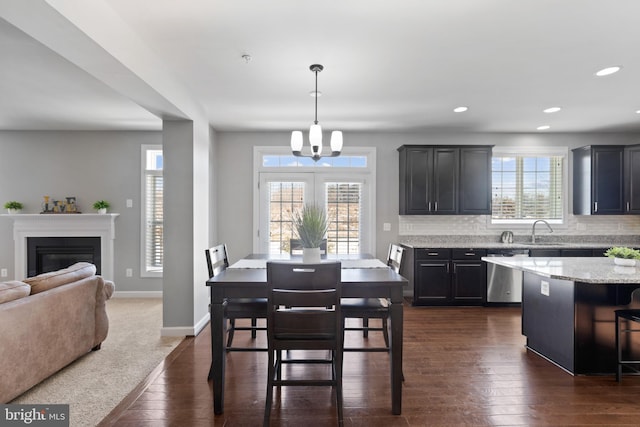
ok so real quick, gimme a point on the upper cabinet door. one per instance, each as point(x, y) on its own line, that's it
point(445, 181)
point(632, 179)
point(475, 181)
point(598, 180)
point(415, 181)
point(607, 180)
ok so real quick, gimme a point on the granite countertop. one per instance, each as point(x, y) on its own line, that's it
point(521, 242)
point(597, 270)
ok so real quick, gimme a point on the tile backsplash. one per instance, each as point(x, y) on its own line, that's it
point(429, 225)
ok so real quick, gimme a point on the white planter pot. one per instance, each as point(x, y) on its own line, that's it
point(625, 262)
point(13, 211)
point(311, 255)
point(102, 211)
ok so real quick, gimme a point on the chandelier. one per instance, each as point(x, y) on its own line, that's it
point(315, 132)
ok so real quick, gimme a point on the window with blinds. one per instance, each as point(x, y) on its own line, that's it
point(343, 202)
point(152, 189)
point(284, 199)
point(528, 187)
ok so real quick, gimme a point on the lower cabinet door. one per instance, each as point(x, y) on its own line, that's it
point(469, 282)
point(432, 284)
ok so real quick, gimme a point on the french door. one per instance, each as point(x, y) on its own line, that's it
point(346, 199)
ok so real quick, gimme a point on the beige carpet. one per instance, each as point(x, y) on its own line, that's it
point(94, 384)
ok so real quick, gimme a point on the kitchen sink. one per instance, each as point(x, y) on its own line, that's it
point(546, 244)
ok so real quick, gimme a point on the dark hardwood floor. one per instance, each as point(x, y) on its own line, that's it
point(462, 366)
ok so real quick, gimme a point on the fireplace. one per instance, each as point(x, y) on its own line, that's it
point(64, 226)
point(45, 254)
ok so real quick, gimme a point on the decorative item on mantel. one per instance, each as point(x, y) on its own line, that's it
point(67, 206)
point(623, 256)
point(101, 206)
point(311, 226)
point(13, 207)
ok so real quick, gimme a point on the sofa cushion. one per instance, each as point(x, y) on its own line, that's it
point(53, 279)
point(13, 290)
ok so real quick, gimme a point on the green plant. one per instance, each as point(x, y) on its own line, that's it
point(310, 225)
point(622, 252)
point(101, 204)
point(13, 205)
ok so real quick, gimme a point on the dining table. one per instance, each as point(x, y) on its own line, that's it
point(362, 276)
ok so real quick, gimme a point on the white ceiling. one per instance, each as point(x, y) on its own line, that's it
point(389, 65)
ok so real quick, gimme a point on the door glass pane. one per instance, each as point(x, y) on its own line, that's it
point(284, 199)
point(343, 202)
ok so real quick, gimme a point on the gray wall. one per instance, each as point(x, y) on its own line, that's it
point(235, 169)
point(89, 166)
point(106, 165)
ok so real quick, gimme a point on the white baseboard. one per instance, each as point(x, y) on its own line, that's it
point(137, 294)
point(185, 331)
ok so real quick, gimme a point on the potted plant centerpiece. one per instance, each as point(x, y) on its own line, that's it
point(13, 207)
point(311, 226)
point(623, 256)
point(101, 206)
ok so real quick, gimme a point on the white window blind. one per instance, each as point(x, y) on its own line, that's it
point(528, 186)
point(344, 207)
point(152, 215)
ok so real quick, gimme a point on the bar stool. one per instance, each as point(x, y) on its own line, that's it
point(630, 315)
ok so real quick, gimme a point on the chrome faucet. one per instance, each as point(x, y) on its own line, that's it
point(533, 229)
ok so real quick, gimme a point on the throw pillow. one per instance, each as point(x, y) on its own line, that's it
point(53, 279)
point(13, 290)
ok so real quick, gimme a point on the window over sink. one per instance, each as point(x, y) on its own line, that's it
point(529, 184)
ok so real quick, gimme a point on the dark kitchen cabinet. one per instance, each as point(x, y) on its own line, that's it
point(632, 179)
point(475, 181)
point(598, 180)
point(428, 180)
point(432, 277)
point(445, 180)
point(576, 252)
point(468, 277)
point(449, 277)
point(544, 252)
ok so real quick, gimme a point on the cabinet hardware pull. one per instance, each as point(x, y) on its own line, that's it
point(628, 206)
point(469, 253)
point(435, 206)
point(429, 206)
point(432, 253)
point(595, 206)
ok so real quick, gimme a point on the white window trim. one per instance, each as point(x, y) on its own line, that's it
point(369, 172)
point(143, 197)
point(518, 224)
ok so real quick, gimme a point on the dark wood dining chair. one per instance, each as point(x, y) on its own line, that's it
point(303, 313)
point(237, 308)
point(372, 308)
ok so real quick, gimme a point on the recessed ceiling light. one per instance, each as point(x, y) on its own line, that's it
point(608, 71)
point(552, 110)
point(460, 109)
point(543, 127)
point(638, 112)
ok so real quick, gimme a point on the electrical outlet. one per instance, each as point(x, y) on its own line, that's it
point(581, 226)
point(4, 272)
point(129, 272)
point(129, 203)
point(386, 226)
point(621, 226)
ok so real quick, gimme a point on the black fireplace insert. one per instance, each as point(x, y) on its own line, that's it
point(45, 254)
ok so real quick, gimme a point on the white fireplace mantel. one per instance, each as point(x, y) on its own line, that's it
point(64, 225)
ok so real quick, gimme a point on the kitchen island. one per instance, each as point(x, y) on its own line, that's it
point(568, 309)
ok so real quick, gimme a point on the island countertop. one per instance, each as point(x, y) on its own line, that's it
point(597, 270)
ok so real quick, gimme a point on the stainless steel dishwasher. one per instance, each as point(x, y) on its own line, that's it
point(504, 285)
